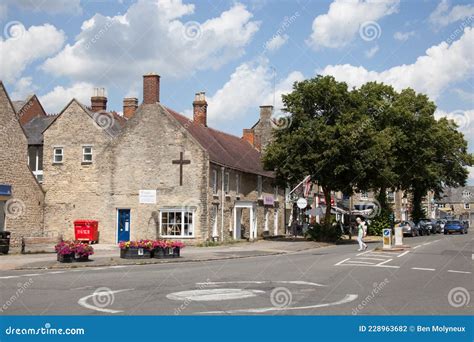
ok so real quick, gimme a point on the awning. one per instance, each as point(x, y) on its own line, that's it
point(5, 190)
point(446, 210)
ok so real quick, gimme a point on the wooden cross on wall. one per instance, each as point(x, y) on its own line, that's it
point(181, 162)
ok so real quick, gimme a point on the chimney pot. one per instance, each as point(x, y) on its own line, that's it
point(249, 136)
point(200, 109)
point(99, 100)
point(151, 88)
point(130, 105)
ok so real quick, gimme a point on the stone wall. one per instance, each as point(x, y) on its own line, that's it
point(25, 207)
point(76, 189)
point(143, 162)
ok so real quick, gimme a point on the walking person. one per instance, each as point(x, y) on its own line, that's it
point(361, 233)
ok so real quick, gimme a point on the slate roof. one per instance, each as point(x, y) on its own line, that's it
point(35, 127)
point(223, 148)
point(457, 195)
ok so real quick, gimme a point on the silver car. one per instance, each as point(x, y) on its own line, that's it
point(409, 228)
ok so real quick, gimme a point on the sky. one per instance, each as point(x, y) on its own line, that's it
point(241, 54)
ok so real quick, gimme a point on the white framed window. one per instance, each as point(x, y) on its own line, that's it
point(364, 195)
point(87, 154)
point(259, 186)
point(214, 182)
point(226, 182)
point(237, 184)
point(441, 205)
point(35, 161)
point(177, 222)
point(391, 196)
point(58, 155)
point(467, 206)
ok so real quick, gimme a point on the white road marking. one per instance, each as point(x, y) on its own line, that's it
point(427, 243)
point(417, 247)
point(423, 269)
point(388, 266)
point(404, 253)
point(9, 277)
point(365, 252)
point(56, 272)
point(341, 262)
point(214, 294)
point(464, 272)
point(384, 262)
point(348, 298)
point(82, 288)
point(296, 282)
point(361, 262)
point(118, 266)
point(30, 275)
point(83, 302)
point(378, 259)
point(373, 265)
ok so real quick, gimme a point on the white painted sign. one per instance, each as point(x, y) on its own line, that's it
point(147, 196)
point(302, 203)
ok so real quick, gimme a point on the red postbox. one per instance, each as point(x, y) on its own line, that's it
point(86, 230)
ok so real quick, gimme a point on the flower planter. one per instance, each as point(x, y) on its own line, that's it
point(135, 253)
point(158, 253)
point(82, 258)
point(166, 252)
point(66, 258)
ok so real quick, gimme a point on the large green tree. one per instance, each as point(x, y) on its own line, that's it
point(327, 138)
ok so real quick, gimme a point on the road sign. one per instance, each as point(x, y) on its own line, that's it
point(387, 238)
point(302, 203)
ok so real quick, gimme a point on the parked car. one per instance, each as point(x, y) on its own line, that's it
point(423, 227)
point(455, 226)
point(409, 228)
point(441, 224)
point(429, 226)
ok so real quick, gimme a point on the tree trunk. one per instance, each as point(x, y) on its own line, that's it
point(327, 198)
point(417, 211)
point(382, 199)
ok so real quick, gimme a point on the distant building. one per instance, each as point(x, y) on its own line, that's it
point(457, 203)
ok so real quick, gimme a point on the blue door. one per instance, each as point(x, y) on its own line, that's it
point(123, 227)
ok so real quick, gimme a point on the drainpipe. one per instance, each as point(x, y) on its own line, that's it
point(222, 203)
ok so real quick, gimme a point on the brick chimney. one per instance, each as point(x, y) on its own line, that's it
point(200, 109)
point(151, 88)
point(266, 112)
point(249, 136)
point(99, 100)
point(130, 105)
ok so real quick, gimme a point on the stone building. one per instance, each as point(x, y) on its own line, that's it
point(457, 203)
point(260, 135)
point(157, 174)
point(21, 196)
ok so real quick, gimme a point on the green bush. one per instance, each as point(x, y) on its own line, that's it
point(378, 224)
point(322, 233)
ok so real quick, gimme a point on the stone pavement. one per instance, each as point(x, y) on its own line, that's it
point(108, 255)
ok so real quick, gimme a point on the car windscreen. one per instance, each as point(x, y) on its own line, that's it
point(453, 222)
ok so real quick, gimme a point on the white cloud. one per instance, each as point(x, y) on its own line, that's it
point(23, 87)
point(338, 27)
point(249, 86)
point(441, 66)
point(151, 36)
point(48, 6)
point(56, 99)
point(403, 36)
point(443, 15)
point(23, 47)
point(464, 95)
point(371, 52)
point(276, 42)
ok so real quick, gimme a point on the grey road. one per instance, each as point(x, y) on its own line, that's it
point(433, 277)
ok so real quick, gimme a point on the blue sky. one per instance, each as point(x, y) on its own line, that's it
point(236, 51)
